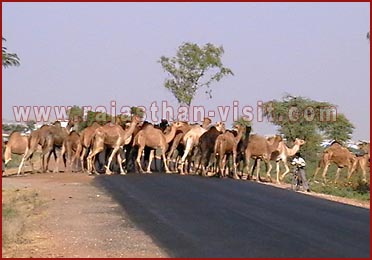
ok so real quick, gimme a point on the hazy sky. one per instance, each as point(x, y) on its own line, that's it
point(93, 53)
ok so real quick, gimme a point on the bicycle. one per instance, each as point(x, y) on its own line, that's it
point(295, 179)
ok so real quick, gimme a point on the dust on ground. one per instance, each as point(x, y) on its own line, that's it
point(73, 218)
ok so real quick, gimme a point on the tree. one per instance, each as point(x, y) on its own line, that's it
point(192, 68)
point(242, 121)
point(137, 111)
point(31, 125)
point(75, 114)
point(9, 59)
point(299, 117)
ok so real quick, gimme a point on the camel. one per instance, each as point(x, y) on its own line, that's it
point(17, 144)
point(227, 144)
point(206, 145)
point(363, 159)
point(49, 137)
point(114, 136)
point(282, 154)
point(260, 147)
point(154, 138)
point(191, 139)
point(86, 137)
point(70, 146)
point(177, 143)
point(338, 155)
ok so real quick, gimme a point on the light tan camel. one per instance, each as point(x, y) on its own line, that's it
point(191, 140)
point(114, 136)
point(226, 144)
point(338, 155)
point(282, 154)
point(363, 160)
point(178, 139)
point(154, 138)
point(17, 144)
point(49, 137)
point(260, 147)
point(86, 137)
point(69, 147)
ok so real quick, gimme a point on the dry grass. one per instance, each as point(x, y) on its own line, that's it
point(18, 205)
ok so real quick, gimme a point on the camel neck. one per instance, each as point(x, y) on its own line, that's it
point(292, 151)
point(131, 128)
point(239, 136)
point(274, 145)
point(169, 136)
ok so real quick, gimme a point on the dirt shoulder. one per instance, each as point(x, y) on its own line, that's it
point(73, 218)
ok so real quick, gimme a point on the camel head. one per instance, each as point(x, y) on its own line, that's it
point(220, 126)
point(136, 119)
point(299, 141)
point(206, 122)
point(57, 123)
point(364, 146)
point(239, 128)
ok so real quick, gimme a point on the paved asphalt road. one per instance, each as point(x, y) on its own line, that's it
point(192, 216)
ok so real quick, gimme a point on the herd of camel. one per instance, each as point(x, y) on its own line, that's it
point(190, 148)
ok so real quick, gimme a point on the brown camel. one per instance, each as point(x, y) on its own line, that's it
point(17, 144)
point(227, 144)
point(191, 139)
point(282, 154)
point(338, 155)
point(154, 138)
point(260, 147)
point(69, 147)
point(206, 145)
point(86, 137)
point(114, 136)
point(49, 137)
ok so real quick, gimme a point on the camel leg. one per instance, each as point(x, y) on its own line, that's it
point(235, 174)
point(287, 170)
point(246, 167)
point(7, 155)
point(337, 174)
point(324, 172)
point(47, 152)
point(139, 155)
point(186, 152)
point(268, 169)
point(114, 151)
point(82, 155)
point(316, 172)
point(20, 168)
point(91, 156)
point(165, 161)
point(120, 161)
point(63, 151)
point(151, 157)
point(363, 166)
point(258, 177)
point(277, 172)
point(222, 165)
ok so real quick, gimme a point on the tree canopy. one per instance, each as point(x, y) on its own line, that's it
point(299, 117)
point(9, 59)
point(192, 68)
